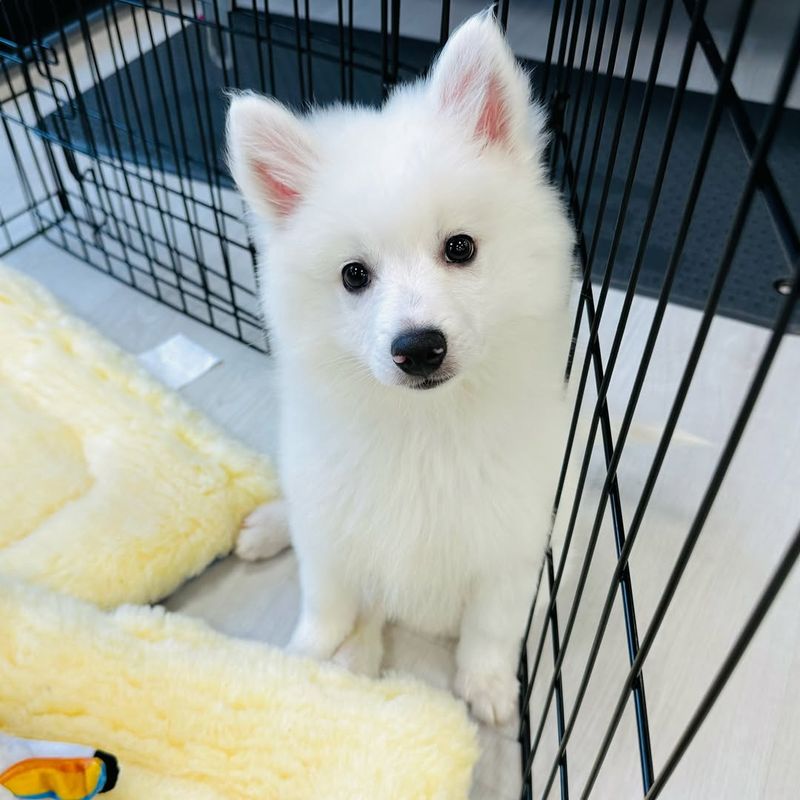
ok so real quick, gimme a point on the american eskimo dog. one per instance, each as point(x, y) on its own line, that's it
point(416, 265)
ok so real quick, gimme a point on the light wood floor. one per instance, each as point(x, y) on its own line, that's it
point(749, 746)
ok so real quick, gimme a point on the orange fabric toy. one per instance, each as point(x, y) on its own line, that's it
point(36, 770)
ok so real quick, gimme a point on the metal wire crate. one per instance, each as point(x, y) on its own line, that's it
point(682, 179)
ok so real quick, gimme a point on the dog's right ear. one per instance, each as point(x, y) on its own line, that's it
point(477, 81)
point(270, 154)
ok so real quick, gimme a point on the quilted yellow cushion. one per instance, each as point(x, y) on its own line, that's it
point(111, 488)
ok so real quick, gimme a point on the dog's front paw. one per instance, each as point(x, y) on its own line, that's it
point(264, 533)
point(491, 696)
point(316, 638)
point(361, 654)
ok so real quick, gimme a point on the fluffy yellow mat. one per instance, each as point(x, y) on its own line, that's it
point(194, 715)
point(111, 488)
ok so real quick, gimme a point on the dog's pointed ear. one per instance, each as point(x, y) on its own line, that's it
point(477, 81)
point(270, 154)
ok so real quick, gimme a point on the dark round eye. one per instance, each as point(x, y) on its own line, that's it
point(459, 249)
point(355, 276)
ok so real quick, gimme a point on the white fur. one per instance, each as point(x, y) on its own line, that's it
point(427, 507)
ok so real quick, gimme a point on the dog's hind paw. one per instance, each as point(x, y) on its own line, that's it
point(264, 533)
point(492, 697)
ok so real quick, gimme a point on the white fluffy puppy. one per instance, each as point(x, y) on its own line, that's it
point(415, 269)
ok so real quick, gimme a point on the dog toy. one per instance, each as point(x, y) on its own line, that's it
point(57, 770)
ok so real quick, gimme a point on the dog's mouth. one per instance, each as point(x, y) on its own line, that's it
point(430, 383)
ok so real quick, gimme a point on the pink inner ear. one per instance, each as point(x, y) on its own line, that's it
point(282, 197)
point(493, 123)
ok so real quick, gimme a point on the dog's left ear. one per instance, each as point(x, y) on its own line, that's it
point(271, 155)
point(477, 81)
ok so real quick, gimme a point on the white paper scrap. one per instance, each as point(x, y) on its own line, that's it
point(178, 361)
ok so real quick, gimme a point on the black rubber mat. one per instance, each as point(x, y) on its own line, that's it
point(750, 291)
point(173, 97)
point(162, 99)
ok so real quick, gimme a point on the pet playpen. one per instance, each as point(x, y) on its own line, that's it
point(682, 179)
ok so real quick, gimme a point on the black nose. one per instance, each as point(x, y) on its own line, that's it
point(419, 352)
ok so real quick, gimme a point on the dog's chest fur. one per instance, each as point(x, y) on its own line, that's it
point(416, 501)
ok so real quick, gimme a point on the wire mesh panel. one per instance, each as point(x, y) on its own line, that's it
point(120, 109)
point(604, 121)
point(681, 175)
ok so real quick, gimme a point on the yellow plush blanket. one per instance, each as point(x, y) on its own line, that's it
point(114, 491)
point(194, 715)
point(111, 488)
